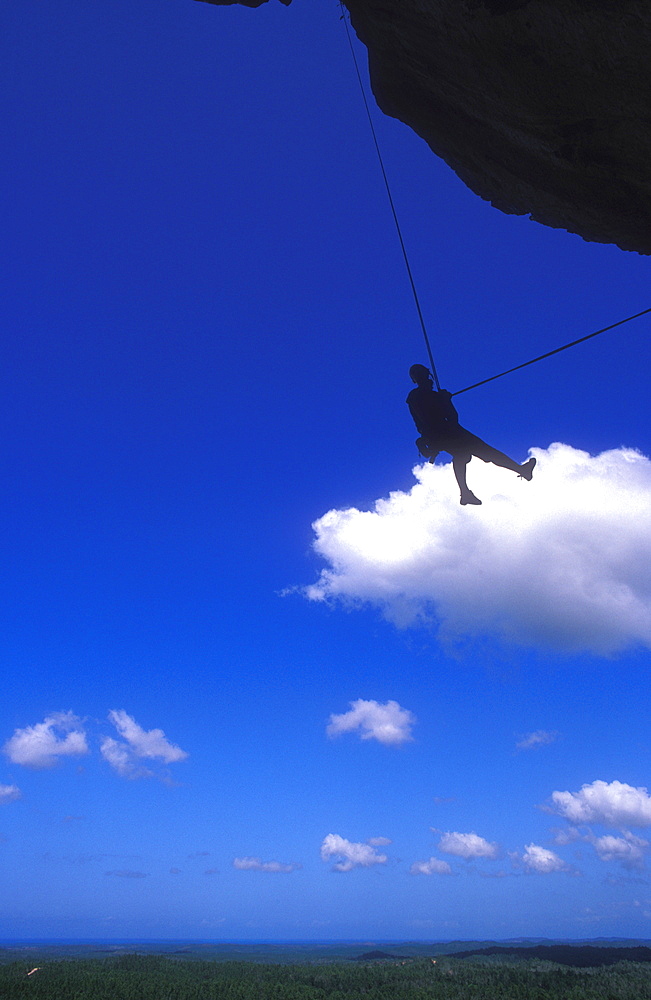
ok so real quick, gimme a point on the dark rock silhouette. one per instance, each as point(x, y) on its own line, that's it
point(542, 107)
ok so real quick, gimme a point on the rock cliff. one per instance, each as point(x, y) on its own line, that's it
point(542, 107)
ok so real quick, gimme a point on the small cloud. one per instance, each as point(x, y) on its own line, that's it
point(73, 819)
point(125, 873)
point(467, 845)
point(9, 793)
point(570, 835)
point(540, 738)
point(175, 871)
point(540, 860)
point(441, 800)
point(137, 744)
point(432, 867)
point(198, 854)
point(150, 743)
point(389, 723)
point(352, 855)
point(256, 865)
point(379, 841)
point(628, 849)
point(615, 804)
point(211, 871)
point(122, 760)
point(41, 746)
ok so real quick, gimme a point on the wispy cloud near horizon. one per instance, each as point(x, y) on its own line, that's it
point(256, 865)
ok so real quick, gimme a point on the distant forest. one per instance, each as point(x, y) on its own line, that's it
point(582, 956)
point(157, 977)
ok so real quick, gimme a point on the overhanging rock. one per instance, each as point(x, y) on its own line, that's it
point(542, 107)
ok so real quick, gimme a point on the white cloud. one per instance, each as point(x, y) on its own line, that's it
point(138, 744)
point(615, 804)
point(41, 745)
point(540, 738)
point(379, 841)
point(122, 760)
point(563, 561)
point(432, 867)
point(9, 793)
point(566, 836)
point(150, 743)
point(467, 845)
point(256, 865)
point(628, 849)
point(389, 723)
point(352, 855)
point(542, 861)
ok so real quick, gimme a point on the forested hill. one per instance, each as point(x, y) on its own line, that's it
point(580, 956)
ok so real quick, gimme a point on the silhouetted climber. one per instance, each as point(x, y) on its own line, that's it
point(437, 421)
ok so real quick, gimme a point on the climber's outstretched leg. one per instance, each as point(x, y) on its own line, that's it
point(490, 454)
point(504, 462)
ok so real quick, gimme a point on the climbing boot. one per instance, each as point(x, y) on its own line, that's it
point(468, 496)
point(526, 470)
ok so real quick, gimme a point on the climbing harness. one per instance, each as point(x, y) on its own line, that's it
point(492, 378)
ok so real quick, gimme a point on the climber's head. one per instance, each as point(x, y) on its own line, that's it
point(420, 374)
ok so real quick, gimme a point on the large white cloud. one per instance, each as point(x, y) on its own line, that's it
point(351, 854)
point(389, 723)
point(613, 804)
point(563, 561)
point(468, 845)
point(41, 745)
point(256, 865)
point(137, 744)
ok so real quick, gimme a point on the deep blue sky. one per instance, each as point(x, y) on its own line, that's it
point(208, 329)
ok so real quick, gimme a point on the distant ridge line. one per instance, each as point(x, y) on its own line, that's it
point(579, 956)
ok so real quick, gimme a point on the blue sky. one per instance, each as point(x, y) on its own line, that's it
point(208, 329)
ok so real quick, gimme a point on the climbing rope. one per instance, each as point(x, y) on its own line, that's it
point(492, 378)
point(549, 354)
point(393, 207)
